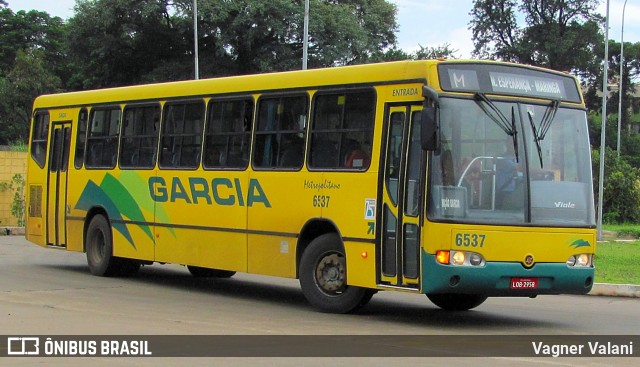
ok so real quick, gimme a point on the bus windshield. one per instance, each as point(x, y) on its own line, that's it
point(512, 163)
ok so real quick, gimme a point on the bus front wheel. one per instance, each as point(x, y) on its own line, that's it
point(99, 247)
point(457, 302)
point(323, 277)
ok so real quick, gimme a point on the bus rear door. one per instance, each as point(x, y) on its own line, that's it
point(57, 184)
point(399, 245)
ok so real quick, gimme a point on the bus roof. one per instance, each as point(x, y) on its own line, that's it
point(409, 70)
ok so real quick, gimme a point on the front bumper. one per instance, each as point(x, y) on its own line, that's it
point(494, 278)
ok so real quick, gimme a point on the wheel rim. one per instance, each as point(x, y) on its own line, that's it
point(331, 274)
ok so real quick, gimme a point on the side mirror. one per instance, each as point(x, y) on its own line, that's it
point(430, 131)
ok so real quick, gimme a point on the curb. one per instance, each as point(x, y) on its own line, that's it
point(618, 290)
point(11, 231)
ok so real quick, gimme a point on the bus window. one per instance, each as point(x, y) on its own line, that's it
point(228, 130)
point(394, 154)
point(102, 142)
point(182, 135)
point(342, 130)
point(139, 137)
point(81, 139)
point(39, 138)
point(279, 140)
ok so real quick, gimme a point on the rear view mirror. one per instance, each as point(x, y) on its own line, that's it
point(430, 136)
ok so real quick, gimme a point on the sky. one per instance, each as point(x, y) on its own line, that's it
point(429, 23)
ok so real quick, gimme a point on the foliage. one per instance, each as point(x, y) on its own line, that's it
point(115, 42)
point(629, 143)
point(630, 71)
point(16, 184)
point(558, 34)
point(441, 51)
point(18, 146)
point(31, 30)
point(29, 78)
point(621, 188)
point(31, 63)
point(123, 42)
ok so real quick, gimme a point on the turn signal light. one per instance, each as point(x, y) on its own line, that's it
point(442, 257)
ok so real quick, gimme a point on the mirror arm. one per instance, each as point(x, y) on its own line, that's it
point(430, 94)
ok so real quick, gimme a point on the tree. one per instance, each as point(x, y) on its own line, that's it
point(31, 30)
point(122, 42)
point(31, 55)
point(441, 51)
point(250, 36)
point(621, 197)
point(558, 34)
point(29, 78)
point(115, 42)
point(631, 70)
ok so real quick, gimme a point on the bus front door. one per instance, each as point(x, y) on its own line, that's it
point(57, 184)
point(399, 246)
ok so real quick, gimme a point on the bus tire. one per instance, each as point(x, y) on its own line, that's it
point(323, 277)
point(200, 272)
point(99, 248)
point(457, 302)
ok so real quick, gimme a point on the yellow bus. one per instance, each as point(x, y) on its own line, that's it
point(460, 180)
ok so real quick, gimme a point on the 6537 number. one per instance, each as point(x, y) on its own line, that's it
point(321, 201)
point(470, 239)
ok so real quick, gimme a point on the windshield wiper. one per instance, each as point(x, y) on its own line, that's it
point(535, 137)
point(547, 118)
point(540, 133)
point(509, 127)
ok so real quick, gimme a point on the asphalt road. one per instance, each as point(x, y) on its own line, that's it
point(51, 292)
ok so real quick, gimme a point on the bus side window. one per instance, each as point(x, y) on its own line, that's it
point(102, 139)
point(227, 134)
point(182, 127)
point(139, 136)
point(342, 130)
point(81, 139)
point(279, 139)
point(39, 138)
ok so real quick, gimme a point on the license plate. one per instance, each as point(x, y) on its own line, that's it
point(524, 283)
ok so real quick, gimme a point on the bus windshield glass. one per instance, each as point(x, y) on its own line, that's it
point(512, 163)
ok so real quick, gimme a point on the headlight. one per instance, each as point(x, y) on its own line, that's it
point(571, 261)
point(580, 261)
point(459, 258)
point(475, 259)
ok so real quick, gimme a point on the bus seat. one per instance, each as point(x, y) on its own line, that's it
point(357, 158)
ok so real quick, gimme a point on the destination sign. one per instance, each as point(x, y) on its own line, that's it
point(509, 80)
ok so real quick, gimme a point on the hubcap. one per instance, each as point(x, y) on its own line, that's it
point(331, 274)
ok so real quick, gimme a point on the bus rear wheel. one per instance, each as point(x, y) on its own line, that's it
point(200, 272)
point(99, 248)
point(323, 277)
point(457, 302)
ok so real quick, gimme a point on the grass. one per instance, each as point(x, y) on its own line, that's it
point(619, 262)
point(624, 230)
